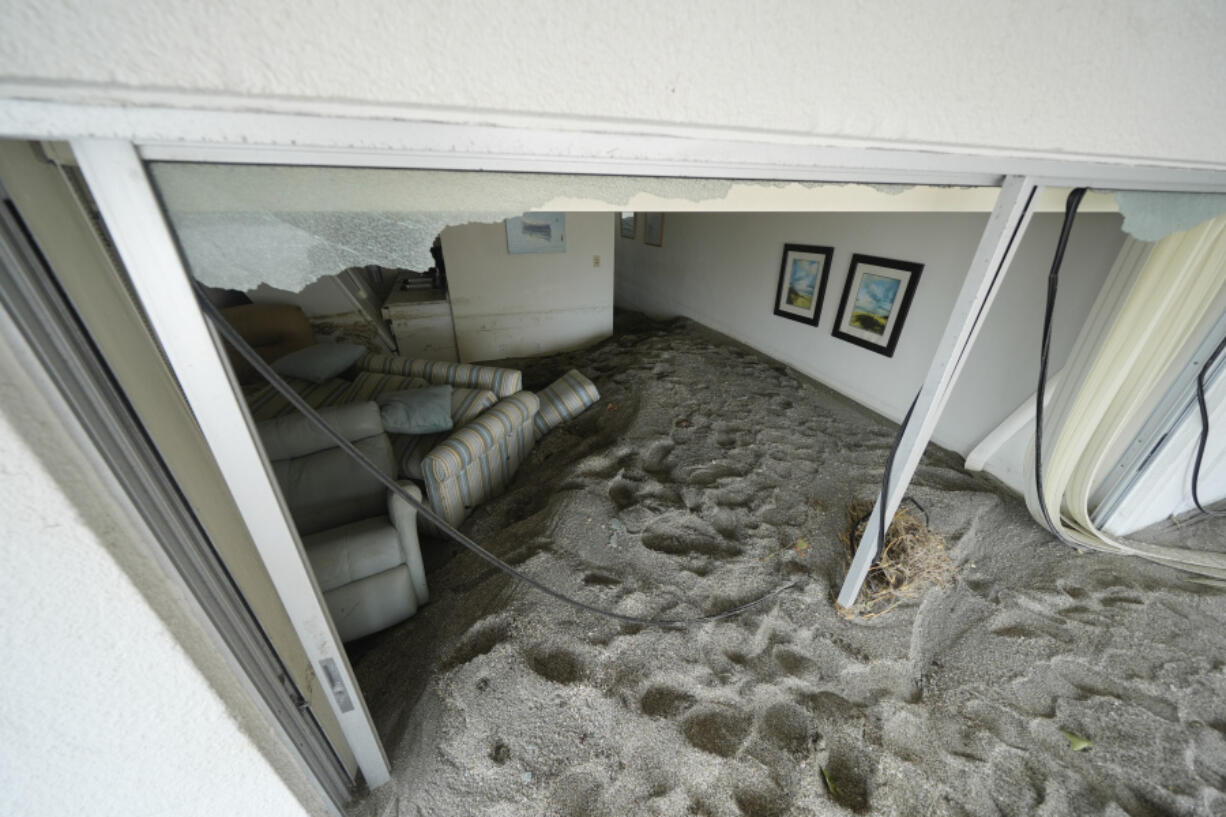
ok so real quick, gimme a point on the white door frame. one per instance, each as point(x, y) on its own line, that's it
point(112, 140)
point(129, 206)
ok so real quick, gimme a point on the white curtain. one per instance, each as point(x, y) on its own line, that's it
point(1154, 307)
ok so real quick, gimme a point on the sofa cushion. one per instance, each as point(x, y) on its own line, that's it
point(417, 411)
point(293, 435)
point(354, 551)
point(478, 461)
point(328, 488)
point(372, 385)
point(564, 399)
point(503, 382)
point(472, 441)
point(320, 362)
point(371, 604)
point(466, 406)
point(265, 402)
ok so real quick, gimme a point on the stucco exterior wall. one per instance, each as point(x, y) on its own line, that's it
point(111, 707)
point(1098, 77)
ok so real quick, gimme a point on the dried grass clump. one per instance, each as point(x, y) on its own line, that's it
point(913, 560)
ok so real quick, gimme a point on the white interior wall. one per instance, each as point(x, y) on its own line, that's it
point(722, 270)
point(104, 711)
point(1003, 368)
point(509, 305)
point(983, 75)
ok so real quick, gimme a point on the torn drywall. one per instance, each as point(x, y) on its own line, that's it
point(243, 225)
point(289, 250)
point(1154, 216)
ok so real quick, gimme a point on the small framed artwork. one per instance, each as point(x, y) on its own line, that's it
point(653, 229)
point(875, 301)
point(537, 232)
point(629, 224)
point(802, 282)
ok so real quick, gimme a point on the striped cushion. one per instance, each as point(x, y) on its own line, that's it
point(564, 399)
point(370, 385)
point(266, 402)
point(466, 406)
point(476, 462)
point(503, 382)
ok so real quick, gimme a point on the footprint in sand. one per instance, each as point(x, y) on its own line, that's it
point(661, 701)
point(655, 459)
point(576, 794)
point(500, 753)
point(601, 580)
point(556, 664)
point(789, 727)
point(761, 798)
point(792, 661)
point(716, 728)
point(680, 533)
point(623, 492)
point(482, 637)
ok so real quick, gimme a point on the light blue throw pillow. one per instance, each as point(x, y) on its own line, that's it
point(320, 362)
point(417, 411)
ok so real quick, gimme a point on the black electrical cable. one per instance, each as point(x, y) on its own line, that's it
point(889, 465)
point(1053, 278)
point(885, 482)
point(920, 508)
point(234, 339)
point(1204, 428)
point(912, 500)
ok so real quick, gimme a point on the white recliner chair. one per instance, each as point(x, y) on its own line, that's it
point(360, 538)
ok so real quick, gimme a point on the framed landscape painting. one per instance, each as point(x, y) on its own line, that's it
point(876, 298)
point(802, 282)
point(537, 232)
point(629, 224)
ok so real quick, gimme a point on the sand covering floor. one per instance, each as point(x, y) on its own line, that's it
point(684, 491)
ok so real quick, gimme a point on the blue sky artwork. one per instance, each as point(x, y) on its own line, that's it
point(877, 294)
point(804, 276)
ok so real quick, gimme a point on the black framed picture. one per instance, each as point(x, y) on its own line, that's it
point(802, 282)
point(876, 298)
point(629, 224)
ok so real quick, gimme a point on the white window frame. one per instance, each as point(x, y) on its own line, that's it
point(129, 206)
point(112, 142)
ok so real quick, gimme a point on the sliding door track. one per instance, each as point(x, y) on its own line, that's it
point(35, 310)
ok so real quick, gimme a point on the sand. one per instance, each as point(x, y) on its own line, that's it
point(684, 491)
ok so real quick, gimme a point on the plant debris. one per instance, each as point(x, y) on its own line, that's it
point(831, 786)
point(913, 560)
point(1076, 742)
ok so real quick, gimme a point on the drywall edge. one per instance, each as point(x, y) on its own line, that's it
point(245, 225)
